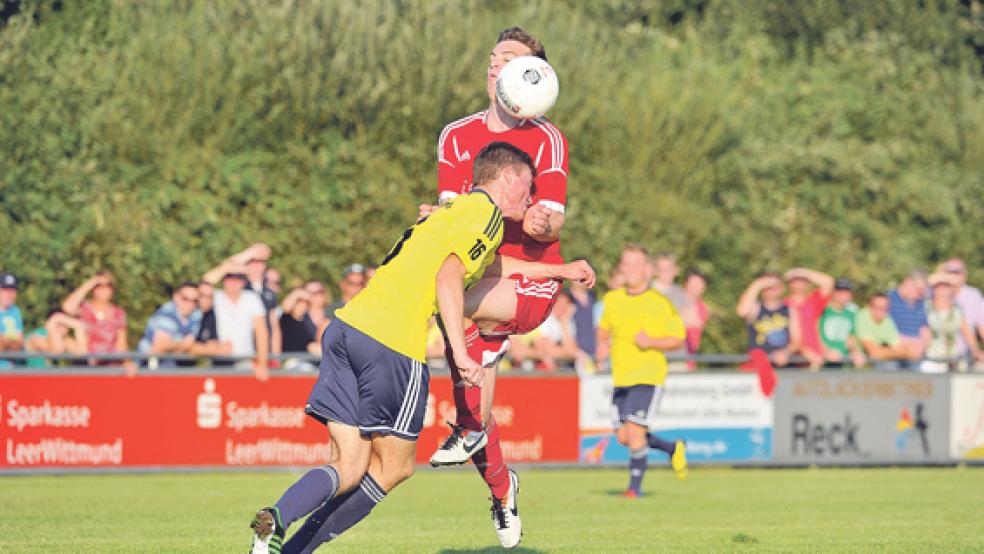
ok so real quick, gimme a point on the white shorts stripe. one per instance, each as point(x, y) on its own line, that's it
point(407, 394)
point(410, 400)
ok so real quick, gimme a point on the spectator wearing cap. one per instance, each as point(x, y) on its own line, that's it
point(773, 327)
point(11, 320)
point(174, 327)
point(241, 320)
point(809, 292)
point(353, 280)
point(92, 302)
point(907, 308)
point(878, 335)
point(837, 325)
point(947, 324)
point(695, 313)
point(968, 298)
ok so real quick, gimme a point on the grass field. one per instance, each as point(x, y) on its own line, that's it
point(887, 510)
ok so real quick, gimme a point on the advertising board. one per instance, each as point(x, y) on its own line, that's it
point(887, 417)
point(721, 417)
point(213, 420)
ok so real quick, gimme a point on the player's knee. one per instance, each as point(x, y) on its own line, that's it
point(350, 471)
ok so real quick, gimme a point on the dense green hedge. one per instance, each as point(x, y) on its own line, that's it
point(154, 138)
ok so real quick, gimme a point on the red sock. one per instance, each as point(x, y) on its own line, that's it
point(490, 464)
point(468, 405)
point(489, 460)
point(467, 400)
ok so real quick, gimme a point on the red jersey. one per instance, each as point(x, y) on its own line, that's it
point(461, 141)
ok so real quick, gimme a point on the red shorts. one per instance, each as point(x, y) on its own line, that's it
point(534, 300)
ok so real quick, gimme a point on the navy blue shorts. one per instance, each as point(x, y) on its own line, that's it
point(367, 385)
point(637, 404)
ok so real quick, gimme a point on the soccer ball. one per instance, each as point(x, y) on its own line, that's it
point(527, 87)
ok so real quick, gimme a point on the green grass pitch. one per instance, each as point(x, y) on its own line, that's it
point(732, 510)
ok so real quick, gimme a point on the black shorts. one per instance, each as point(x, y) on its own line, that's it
point(364, 384)
point(637, 404)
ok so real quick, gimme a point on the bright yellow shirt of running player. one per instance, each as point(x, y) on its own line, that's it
point(399, 300)
point(623, 316)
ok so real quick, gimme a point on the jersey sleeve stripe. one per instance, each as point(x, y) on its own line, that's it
point(556, 142)
point(495, 229)
point(494, 221)
point(555, 206)
point(451, 127)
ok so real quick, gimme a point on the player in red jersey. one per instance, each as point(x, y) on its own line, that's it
point(506, 304)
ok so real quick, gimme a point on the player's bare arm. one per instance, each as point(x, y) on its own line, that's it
point(450, 304)
point(578, 270)
point(663, 344)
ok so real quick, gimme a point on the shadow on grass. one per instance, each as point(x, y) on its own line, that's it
point(619, 492)
point(519, 550)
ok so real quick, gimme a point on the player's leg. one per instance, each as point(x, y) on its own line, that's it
point(491, 301)
point(676, 450)
point(334, 400)
point(635, 436)
point(391, 463)
point(392, 409)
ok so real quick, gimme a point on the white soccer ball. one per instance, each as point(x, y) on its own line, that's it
point(527, 87)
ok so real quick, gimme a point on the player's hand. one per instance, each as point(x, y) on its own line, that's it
point(471, 371)
point(642, 340)
point(579, 270)
point(425, 210)
point(261, 370)
point(537, 220)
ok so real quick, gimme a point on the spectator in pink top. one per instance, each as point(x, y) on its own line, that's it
point(105, 322)
point(809, 292)
point(694, 312)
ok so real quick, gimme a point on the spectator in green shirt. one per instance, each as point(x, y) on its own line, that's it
point(837, 326)
point(878, 334)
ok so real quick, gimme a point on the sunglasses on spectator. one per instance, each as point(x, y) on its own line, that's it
point(359, 283)
point(186, 299)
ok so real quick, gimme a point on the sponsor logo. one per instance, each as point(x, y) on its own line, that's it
point(819, 439)
point(46, 414)
point(464, 157)
point(907, 425)
point(238, 418)
point(209, 407)
point(531, 76)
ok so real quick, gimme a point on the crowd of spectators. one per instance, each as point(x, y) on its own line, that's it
point(239, 314)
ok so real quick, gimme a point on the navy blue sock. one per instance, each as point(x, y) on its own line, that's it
point(637, 467)
point(309, 492)
point(335, 517)
point(665, 446)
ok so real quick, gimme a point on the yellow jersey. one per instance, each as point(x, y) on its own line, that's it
point(623, 316)
point(400, 299)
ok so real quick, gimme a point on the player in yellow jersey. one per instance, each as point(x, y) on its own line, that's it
point(637, 325)
point(371, 391)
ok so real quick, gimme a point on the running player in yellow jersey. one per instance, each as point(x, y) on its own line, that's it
point(637, 325)
point(372, 387)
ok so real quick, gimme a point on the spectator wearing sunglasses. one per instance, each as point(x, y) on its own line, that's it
point(173, 328)
point(353, 280)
